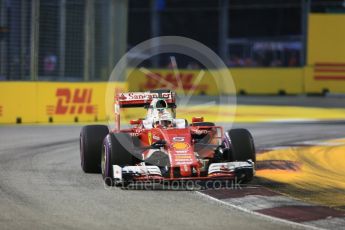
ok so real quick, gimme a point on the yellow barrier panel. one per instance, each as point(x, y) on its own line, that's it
point(17, 102)
point(54, 102)
point(323, 79)
point(268, 80)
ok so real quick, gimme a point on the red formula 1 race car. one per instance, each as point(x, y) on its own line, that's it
point(161, 148)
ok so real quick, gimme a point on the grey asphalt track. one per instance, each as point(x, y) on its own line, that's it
point(43, 187)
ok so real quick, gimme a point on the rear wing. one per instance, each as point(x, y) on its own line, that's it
point(143, 99)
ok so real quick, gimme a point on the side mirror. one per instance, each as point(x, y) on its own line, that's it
point(135, 122)
point(197, 119)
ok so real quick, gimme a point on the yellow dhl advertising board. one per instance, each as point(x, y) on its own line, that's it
point(18, 102)
point(196, 82)
point(215, 82)
point(325, 78)
point(29, 102)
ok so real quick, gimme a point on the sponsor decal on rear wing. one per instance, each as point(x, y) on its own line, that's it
point(140, 99)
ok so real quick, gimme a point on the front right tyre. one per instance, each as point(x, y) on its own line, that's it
point(115, 152)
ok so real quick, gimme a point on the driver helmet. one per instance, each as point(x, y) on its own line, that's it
point(161, 105)
point(164, 120)
point(157, 106)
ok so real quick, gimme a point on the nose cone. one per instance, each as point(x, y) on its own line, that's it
point(181, 149)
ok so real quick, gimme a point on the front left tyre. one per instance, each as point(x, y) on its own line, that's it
point(91, 139)
point(242, 145)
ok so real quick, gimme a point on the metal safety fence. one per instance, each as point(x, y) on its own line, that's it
point(60, 40)
point(82, 40)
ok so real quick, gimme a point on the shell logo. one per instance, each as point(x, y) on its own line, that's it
point(180, 145)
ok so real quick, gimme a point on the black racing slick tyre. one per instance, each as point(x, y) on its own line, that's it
point(91, 139)
point(242, 145)
point(115, 152)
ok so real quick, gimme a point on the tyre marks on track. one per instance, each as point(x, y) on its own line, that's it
point(304, 170)
point(261, 200)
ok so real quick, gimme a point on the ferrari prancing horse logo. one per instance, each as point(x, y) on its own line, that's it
point(149, 134)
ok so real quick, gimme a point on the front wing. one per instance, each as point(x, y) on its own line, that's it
point(240, 170)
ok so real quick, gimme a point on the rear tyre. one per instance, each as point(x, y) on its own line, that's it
point(114, 152)
point(91, 139)
point(242, 145)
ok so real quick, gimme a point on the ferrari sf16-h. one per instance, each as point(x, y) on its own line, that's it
point(161, 148)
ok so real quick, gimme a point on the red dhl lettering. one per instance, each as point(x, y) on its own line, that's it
point(172, 81)
point(69, 101)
